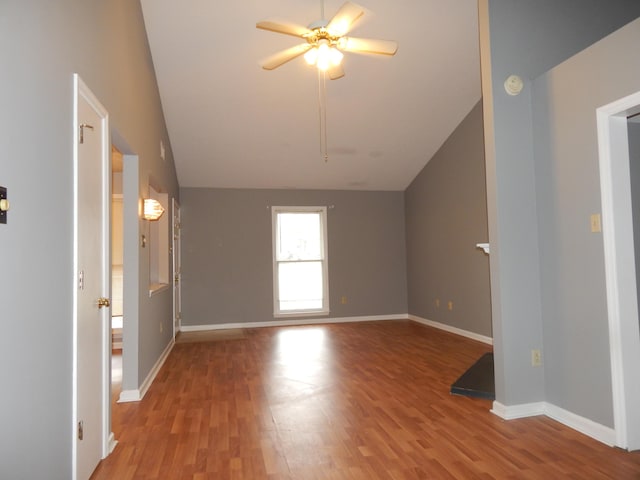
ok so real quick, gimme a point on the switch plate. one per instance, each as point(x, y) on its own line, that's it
point(596, 226)
point(3, 196)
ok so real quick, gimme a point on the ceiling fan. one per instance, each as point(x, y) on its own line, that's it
point(325, 41)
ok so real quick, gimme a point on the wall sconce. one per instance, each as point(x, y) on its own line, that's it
point(152, 209)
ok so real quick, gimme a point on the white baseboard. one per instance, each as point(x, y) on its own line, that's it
point(138, 394)
point(450, 329)
point(590, 428)
point(518, 411)
point(317, 320)
point(289, 323)
point(111, 443)
point(129, 396)
point(583, 425)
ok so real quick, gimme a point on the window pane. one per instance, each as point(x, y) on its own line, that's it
point(300, 285)
point(299, 236)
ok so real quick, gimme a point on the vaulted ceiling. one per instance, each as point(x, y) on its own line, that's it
point(233, 124)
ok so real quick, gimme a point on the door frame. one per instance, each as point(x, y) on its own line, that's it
point(177, 266)
point(620, 274)
point(80, 89)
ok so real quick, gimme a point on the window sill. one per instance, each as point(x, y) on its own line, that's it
point(302, 313)
point(156, 288)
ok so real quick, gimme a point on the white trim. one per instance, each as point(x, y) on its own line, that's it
point(137, 395)
point(316, 321)
point(606, 435)
point(324, 260)
point(583, 425)
point(156, 288)
point(112, 442)
point(292, 323)
point(518, 411)
point(622, 302)
point(450, 329)
point(176, 260)
point(129, 396)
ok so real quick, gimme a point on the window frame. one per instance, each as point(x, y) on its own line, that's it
point(322, 211)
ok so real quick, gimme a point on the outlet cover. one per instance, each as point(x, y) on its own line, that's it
point(536, 358)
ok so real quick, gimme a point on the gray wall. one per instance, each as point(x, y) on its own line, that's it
point(526, 38)
point(42, 43)
point(574, 303)
point(227, 253)
point(446, 217)
point(634, 167)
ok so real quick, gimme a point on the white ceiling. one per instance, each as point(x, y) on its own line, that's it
point(234, 125)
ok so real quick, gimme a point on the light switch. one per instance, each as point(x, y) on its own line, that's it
point(4, 205)
point(595, 223)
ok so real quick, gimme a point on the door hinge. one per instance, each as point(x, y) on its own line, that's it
point(82, 127)
point(80, 430)
point(81, 280)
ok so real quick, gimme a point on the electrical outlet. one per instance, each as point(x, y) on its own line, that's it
point(596, 225)
point(343, 300)
point(161, 328)
point(437, 303)
point(536, 358)
point(450, 305)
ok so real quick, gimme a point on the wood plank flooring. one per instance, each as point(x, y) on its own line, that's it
point(343, 401)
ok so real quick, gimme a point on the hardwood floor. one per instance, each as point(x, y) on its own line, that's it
point(344, 401)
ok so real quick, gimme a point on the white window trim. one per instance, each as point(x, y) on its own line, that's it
point(325, 262)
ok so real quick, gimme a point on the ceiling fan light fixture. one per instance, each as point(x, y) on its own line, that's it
point(311, 57)
point(325, 41)
point(323, 55)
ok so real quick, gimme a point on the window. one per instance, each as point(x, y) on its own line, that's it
point(300, 280)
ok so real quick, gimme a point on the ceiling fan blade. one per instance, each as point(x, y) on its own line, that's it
point(343, 21)
point(283, 27)
point(335, 72)
point(282, 57)
point(368, 45)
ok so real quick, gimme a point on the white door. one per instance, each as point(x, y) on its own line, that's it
point(91, 282)
point(177, 280)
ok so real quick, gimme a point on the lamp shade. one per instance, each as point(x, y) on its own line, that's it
point(152, 209)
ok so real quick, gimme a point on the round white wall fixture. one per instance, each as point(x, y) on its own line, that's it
point(513, 85)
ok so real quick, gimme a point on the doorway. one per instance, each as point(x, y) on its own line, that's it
point(117, 271)
point(620, 271)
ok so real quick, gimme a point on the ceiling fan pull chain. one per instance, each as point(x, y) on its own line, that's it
point(322, 109)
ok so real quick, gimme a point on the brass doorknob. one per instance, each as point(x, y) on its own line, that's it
point(103, 302)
